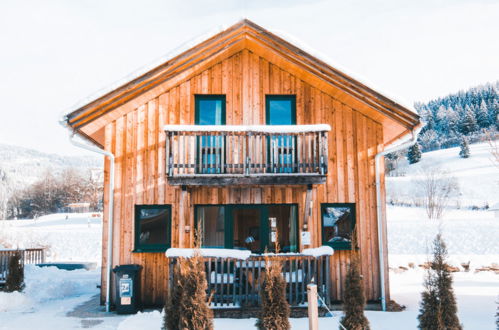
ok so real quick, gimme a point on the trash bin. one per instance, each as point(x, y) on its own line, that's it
point(127, 283)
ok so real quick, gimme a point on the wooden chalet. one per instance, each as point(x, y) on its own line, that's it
point(246, 135)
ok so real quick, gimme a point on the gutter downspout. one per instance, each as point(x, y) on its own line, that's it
point(379, 207)
point(110, 226)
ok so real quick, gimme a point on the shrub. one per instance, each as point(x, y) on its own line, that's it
point(438, 308)
point(188, 306)
point(274, 313)
point(354, 300)
point(15, 274)
point(414, 154)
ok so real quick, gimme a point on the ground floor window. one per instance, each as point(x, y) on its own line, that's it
point(152, 228)
point(338, 222)
point(254, 227)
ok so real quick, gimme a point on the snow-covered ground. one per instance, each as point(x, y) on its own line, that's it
point(477, 177)
point(75, 238)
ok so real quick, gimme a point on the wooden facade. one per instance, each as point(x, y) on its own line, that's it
point(245, 63)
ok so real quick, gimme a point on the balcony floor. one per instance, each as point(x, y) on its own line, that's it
point(241, 179)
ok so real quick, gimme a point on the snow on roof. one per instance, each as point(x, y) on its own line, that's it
point(494, 207)
point(249, 128)
point(205, 36)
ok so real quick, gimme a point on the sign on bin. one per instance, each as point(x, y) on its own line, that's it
point(126, 289)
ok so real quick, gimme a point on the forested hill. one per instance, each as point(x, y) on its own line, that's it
point(472, 114)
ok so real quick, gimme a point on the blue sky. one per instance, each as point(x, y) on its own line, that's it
point(55, 53)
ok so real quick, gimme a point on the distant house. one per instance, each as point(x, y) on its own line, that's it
point(495, 209)
point(246, 135)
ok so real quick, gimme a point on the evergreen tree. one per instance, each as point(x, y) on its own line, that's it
point(15, 275)
point(468, 124)
point(274, 312)
point(188, 306)
point(438, 308)
point(414, 154)
point(482, 115)
point(465, 148)
point(354, 301)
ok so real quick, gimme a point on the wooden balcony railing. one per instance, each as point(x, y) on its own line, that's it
point(236, 283)
point(263, 154)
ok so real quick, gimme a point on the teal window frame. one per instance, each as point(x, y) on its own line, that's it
point(272, 97)
point(229, 223)
point(138, 247)
point(198, 98)
point(281, 139)
point(353, 219)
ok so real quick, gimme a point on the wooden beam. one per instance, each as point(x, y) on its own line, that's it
point(272, 179)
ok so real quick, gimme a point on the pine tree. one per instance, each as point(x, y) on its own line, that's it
point(274, 312)
point(468, 124)
point(414, 154)
point(15, 275)
point(354, 300)
point(188, 306)
point(465, 148)
point(438, 308)
point(482, 115)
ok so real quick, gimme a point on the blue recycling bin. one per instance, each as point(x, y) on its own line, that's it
point(127, 285)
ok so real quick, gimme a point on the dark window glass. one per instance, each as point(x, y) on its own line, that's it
point(338, 221)
point(246, 224)
point(283, 226)
point(211, 221)
point(152, 227)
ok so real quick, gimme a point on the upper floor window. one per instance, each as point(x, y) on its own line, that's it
point(338, 222)
point(281, 109)
point(152, 228)
point(210, 109)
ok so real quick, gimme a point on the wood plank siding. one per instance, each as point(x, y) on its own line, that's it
point(137, 139)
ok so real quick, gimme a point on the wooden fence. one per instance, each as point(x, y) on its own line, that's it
point(236, 283)
point(28, 256)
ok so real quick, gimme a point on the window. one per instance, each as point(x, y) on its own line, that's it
point(152, 228)
point(248, 227)
point(281, 110)
point(338, 222)
point(210, 110)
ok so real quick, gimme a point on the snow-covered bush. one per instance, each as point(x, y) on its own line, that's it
point(436, 187)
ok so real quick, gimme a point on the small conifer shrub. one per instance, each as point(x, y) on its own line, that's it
point(274, 313)
point(188, 304)
point(438, 307)
point(414, 154)
point(354, 300)
point(465, 148)
point(15, 274)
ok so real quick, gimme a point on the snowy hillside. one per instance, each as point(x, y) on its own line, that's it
point(477, 177)
point(20, 166)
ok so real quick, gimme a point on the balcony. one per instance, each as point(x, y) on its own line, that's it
point(238, 155)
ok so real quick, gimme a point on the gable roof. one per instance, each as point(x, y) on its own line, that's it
point(90, 119)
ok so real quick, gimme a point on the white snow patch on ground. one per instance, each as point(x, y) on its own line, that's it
point(469, 235)
point(75, 238)
point(477, 176)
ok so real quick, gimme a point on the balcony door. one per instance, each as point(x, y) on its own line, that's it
point(281, 110)
point(254, 227)
point(210, 110)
